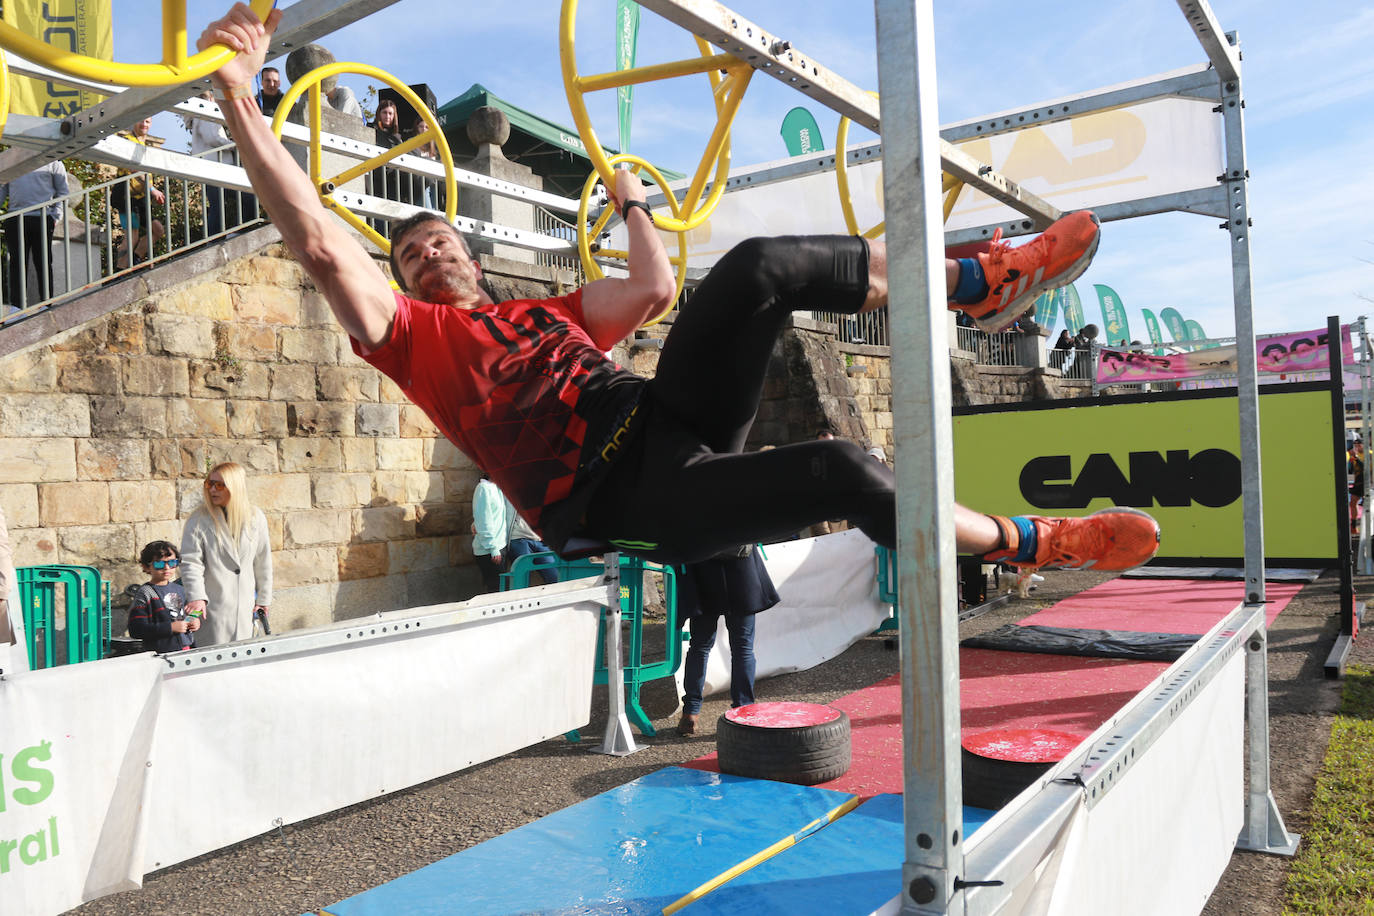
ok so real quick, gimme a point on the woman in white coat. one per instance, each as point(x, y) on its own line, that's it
point(226, 559)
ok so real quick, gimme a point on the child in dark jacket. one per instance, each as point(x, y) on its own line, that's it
point(157, 614)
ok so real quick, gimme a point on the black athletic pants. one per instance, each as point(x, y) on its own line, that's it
point(683, 491)
point(28, 243)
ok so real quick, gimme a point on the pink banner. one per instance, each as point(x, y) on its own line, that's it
point(1305, 351)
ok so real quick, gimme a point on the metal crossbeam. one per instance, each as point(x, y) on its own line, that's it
point(121, 153)
point(302, 22)
point(601, 592)
point(1196, 82)
point(768, 53)
point(1225, 56)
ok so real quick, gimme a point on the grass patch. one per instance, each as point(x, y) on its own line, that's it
point(1334, 870)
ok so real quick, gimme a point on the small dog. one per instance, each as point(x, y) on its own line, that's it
point(1026, 580)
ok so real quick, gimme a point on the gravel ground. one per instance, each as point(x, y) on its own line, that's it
point(303, 867)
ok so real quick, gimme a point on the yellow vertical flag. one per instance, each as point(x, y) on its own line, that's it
point(77, 26)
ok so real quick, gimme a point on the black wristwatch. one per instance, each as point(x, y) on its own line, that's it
point(631, 204)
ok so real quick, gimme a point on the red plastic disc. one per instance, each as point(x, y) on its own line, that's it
point(783, 715)
point(1023, 745)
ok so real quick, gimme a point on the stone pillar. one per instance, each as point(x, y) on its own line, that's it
point(488, 129)
point(1030, 348)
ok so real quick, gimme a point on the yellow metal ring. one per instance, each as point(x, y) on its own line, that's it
point(727, 92)
point(175, 68)
point(311, 81)
point(950, 185)
point(585, 235)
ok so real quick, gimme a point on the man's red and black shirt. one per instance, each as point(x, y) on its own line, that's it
point(522, 390)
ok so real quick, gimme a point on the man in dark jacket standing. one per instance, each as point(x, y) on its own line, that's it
point(735, 587)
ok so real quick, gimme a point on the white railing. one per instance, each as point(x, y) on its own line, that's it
point(90, 233)
point(546, 223)
point(868, 328)
point(1075, 364)
point(989, 349)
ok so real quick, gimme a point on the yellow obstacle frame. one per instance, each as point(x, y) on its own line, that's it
point(584, 235)
point(176, 67)
point(691, 212)
point(949, 185)
point(4, 93)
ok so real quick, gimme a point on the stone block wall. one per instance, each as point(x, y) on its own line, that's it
point(107, 430)
point(809, 388)
point(869, 371)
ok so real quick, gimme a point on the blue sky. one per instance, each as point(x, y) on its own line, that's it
point(1309, 85)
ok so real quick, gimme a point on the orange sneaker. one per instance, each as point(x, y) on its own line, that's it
point(1016, 276)
point(1107, 541)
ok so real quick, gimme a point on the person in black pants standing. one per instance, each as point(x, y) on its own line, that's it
point(734, 586)
point(28, 235)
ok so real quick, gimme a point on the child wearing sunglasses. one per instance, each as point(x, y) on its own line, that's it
point(157, 614)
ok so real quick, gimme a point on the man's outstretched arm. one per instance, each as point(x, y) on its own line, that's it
point(615, 306)
point(352, 283)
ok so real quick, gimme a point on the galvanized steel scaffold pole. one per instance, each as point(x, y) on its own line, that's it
point(932, 783)
point(1264, 829)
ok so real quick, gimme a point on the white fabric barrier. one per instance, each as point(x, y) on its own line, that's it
point(331, 729)
point(829, 601)
point(1157, 842)
point(1176, 813)
point(74, 744)
point(152, 765)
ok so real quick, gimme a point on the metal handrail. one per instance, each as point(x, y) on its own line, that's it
point(92, 256)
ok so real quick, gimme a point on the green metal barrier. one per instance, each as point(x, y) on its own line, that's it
point(972, 581)
point(887, 586)
point(85, 613)
point(632, 570)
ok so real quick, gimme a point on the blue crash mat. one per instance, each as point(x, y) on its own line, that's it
point(851, 866)
point(631, 850)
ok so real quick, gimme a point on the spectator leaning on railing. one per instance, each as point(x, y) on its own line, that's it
point(209, 141)
point(1062, 346)
point(130, 200)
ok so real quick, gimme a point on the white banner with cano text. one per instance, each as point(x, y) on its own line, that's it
point(74, 779)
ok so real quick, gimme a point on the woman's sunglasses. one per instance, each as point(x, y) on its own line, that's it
point(216, 485)
point(166, 564)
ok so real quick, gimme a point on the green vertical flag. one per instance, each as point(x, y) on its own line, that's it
point(1114, 322)
point(1174, 322)
point(801, 133)
point(1195, 331)
point(1046, 311)
point(1152, 326)
point(1073, 310)
point(626, 39)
